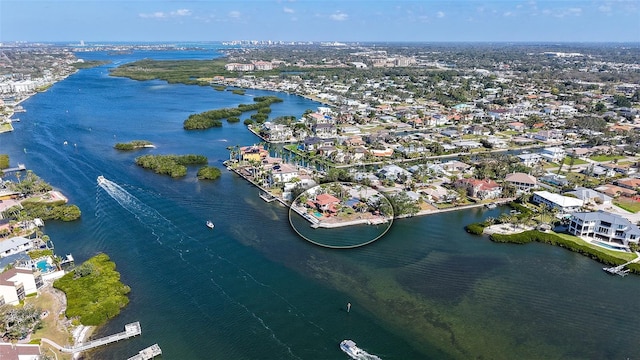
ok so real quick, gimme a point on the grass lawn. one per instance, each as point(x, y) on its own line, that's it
point(53, 327)
point(619, 254)
point(627, 204)
point(601, 158)
point(577, 161)
point(6, 127)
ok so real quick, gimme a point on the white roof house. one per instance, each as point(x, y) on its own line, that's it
point(563, 204)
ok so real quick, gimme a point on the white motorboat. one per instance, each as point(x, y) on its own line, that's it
point(210, 224)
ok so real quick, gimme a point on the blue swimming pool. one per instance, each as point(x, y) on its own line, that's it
point(609, 246)
point(44, 266)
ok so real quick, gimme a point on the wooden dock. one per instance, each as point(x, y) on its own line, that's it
point(130, 330)
point(148, 353)
point(620, 269)
point(20, 167)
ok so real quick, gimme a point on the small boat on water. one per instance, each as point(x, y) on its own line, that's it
point(350, 348)
point(210, 224)
point(101, 180)
point(491, 206)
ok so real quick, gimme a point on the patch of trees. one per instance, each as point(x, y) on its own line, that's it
point(4, 161)
point(94, 291)
point(17, 322)
point(172, 165)
point(54, 210)
point(30, 184)
point(189, 72)
point(209, 173)
point(132, 145)
point(211, 118)
point(403, 205)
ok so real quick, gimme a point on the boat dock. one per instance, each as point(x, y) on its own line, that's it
point(130, 330)
point(267, 197)
point(148, 353)
point(620, 269)
point(20, 167)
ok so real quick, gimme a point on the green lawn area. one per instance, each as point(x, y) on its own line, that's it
point(601, 158)
point(577, 161)
point(619, 254)
point(627, 204)
point(6, 127)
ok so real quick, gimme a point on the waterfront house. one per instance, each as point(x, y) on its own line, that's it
point(326, 202)
point(553, 154)
point(253, 153)
point(563, 204)
point(604, 226)
point(529, 159)
point(523, 182)
point(283, 172)
point(17, 283)
point(481, 189)
point(393, 172)
point(15, 245)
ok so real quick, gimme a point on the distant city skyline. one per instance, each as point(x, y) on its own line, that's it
point(315, 20)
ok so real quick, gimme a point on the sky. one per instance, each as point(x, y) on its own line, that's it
point(319, 20)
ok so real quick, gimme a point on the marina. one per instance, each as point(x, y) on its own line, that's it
point(147, 353)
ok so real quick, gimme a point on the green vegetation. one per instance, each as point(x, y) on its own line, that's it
point(31, 184)
point(239, 91)
point(4, 161)
point(94, 291)
point(209, 173)
point(220, 88)
point(233, 119)
point(403, 205)
point(89, 64)
point(54, 210)
point(602, 158)
point(630, 205)
point(36, 254)
point(173, 165)
point(566, 241)
point(211, 118)
point(248, 122)
point(43, 88)
point(133, 145)
point(189, 72)
point(475, 228)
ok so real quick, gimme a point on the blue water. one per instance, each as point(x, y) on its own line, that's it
point(251, 288)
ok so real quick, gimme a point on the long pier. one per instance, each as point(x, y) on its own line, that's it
point(130, 330)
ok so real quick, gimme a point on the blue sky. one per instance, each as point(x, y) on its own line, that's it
point(316, 20)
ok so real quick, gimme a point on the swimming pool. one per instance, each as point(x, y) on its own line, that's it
point(609, 246)
point(44, 266)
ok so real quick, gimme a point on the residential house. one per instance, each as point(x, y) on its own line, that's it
point(615, 191)
point(324, 130)
point(517, 126)
point(590, 196)
point(17, 283)
point(253, 153)
point(481, 189)
point(11, 351)
point(548, 135)
point(326, 202)
point(530, 159)
point(393, 173)
point(563, 204)
point(628, 183)
point(283, 173)
point(15, 245)
point(523, 182)
point(604, 226)
point(553, 154)
point(438, 194)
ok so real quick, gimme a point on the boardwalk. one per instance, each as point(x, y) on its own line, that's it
point(620, 270)
point(130, 330)
point(148, 353)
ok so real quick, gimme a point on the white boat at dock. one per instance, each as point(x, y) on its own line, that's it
point(210, 224)
point(350, 348)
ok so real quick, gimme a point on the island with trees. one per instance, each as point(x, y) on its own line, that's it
point(134, 145)
point(211, 118)
point(172, 165)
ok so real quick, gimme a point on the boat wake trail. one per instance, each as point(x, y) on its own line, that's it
point(160, 226)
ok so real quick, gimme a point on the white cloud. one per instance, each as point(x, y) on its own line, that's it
point(339, 16)
point(605, 8)
point(507, 14)
point(440, 14)
point(181, 12)
point(154, 15)
point(164, 15)
point(234, 14)
point(575, 11)
point(288, 10)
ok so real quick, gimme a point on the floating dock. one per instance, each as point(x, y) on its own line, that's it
point(148, 353)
